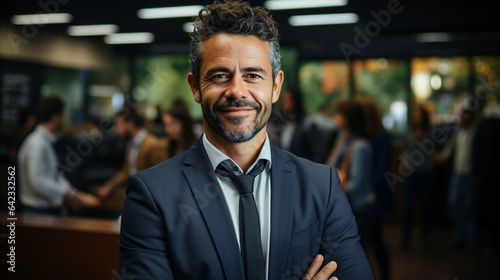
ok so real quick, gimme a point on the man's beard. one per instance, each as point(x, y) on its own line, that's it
point(217, 125)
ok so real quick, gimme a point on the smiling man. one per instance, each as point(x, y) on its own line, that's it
point(234, 206)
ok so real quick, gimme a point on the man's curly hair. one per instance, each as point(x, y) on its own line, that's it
point(234, 18)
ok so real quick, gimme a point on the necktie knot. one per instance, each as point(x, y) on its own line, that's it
point(244, 182)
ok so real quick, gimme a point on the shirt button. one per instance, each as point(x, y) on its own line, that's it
point(235, 168)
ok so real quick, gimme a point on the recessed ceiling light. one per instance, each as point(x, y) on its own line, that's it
point(129, 38)
point(169, 12)
point(41, 18)
point(92, 30)
point(302, 4)
point(324, 19)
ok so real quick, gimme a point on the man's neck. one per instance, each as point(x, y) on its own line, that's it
point(243, 153)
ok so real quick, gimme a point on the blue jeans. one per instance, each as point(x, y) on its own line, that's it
point(461, 201)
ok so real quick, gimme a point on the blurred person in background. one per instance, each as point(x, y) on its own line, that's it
point(419, 184)
point(27, 122)
point(381, 144)
point(462, 195)
point(352, 156)
point(43, 189)
point(144, 150)
point(90, 130)
point(486, 170)
point(292, 132)
point(179, 130)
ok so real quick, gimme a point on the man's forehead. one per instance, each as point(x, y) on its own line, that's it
point(226, 48)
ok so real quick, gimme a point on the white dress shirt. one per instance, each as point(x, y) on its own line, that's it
point(461, 143)
point(261, 192)
point(40, 183)
point(134, 150)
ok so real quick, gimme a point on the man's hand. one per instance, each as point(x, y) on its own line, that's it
point(103, 191)
point(323, 274)
point(89, 200)
point(78, 198)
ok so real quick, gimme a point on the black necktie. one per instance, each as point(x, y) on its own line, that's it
point(250, 241)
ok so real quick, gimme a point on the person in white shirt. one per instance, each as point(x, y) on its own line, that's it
point(462, 194)
point(43, 189)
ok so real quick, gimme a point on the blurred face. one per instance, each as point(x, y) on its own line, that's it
point(339, 121)
point(236, 86)
point(121, 128)
point(173, 127)
point(416, 116)
point(58, 121)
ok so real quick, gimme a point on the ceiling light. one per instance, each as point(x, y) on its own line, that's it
point(188, 27)
point(169, 12)
point(129, 38)
point(91, 30)
point(433, 37)
point(41, 18)
point(324, 19)
point(301, 4)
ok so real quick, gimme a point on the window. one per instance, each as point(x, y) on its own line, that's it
point(440, 84)
point(386, 82)
point(322, 82)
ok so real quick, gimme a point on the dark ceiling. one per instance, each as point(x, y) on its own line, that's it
point(474, 26)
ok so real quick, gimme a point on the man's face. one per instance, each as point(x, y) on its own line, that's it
point(58, 121)
point(121, 128)
point(236, 86)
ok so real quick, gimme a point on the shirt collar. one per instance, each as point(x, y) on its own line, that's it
point(137, 140)
point(216, 156)
point(46, 133)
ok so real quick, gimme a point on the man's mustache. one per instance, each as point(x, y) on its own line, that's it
point(236, 103)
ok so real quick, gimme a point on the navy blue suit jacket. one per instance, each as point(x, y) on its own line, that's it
point(176, 224)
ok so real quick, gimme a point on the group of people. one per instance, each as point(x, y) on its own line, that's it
point(473, 191)
point(44, 189)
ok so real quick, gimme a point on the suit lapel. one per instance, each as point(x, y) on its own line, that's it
point(212, 204)
point(282, 205)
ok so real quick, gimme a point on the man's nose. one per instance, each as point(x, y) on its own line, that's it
point(236, 88)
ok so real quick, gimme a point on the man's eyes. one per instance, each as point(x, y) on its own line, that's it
point(253, 76)
point(219, 78)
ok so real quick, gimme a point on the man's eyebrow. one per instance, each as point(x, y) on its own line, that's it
point(255, 69)
point(216, 70)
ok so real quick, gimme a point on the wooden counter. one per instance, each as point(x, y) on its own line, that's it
point(49, 247)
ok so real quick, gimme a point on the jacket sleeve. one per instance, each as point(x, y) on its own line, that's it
point(120, 178)
point(143, 250)
point(340, 240)
point(157, 153)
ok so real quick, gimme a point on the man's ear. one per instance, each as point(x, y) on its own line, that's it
point(278, 82)
point(194, 87)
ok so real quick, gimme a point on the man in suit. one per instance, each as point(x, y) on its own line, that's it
point(144, 150)
point(190, 218)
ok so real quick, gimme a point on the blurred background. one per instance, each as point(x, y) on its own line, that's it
point(442, 57)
